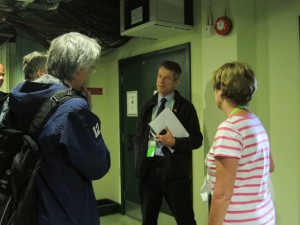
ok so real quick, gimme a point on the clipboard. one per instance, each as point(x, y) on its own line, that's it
point(167, 119)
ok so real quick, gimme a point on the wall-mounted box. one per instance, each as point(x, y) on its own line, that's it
point(155, 18)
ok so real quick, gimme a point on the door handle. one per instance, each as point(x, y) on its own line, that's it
point(130, 143)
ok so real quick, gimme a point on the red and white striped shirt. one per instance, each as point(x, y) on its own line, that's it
point(246, 139)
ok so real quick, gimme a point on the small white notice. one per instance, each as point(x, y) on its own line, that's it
point(132, 103)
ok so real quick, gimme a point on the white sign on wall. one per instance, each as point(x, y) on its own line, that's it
point(132, 103)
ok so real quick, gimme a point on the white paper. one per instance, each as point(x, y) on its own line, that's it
point(167, 119)
point(132, 105)
point(205, 189)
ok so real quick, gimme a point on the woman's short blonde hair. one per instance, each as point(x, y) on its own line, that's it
point(237, 82)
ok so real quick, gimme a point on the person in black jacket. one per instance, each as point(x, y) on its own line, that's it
point(163, 172)
point(34, 66)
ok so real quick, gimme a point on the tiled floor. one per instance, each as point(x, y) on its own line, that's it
point(118, 219)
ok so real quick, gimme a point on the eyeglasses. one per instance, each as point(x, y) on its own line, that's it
point(90, 70)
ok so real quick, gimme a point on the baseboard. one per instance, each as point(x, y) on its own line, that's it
point(107, 206)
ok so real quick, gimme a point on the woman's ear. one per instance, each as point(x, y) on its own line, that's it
point(221, 92)
point(40, 73)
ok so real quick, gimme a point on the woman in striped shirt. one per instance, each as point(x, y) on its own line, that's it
point(239, 162)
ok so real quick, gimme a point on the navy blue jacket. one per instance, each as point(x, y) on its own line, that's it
point(73, 152)
point(179, 163)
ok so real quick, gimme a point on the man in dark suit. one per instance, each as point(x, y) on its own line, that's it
point(162, 172)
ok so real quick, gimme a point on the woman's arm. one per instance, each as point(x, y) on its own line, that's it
point(272, 164)
point(225, 177)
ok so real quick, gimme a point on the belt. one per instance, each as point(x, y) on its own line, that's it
point(158, 159)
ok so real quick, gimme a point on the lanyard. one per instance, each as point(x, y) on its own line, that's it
point(237, 109)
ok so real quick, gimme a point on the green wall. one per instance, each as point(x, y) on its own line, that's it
point(11, 56)
point(266, 35)
point(7, 59)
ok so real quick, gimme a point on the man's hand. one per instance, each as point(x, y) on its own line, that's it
point(166, 139)
point(87, 94)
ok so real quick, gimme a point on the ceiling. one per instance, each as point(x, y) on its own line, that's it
point(43, 20)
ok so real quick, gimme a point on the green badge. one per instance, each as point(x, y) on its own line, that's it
point(151, 148)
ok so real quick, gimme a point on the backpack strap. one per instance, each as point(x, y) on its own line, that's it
point(47, 108)
point(3, 107)
point(4, 98)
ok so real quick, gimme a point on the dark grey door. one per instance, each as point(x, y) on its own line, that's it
point(137, 85)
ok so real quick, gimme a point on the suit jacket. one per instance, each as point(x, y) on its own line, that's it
point(179, 163)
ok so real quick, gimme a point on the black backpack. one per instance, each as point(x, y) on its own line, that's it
point(20, 162)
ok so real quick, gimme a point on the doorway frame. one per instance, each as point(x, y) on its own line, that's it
point(184, 46)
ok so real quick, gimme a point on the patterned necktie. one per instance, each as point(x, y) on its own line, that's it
point(162, 106)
